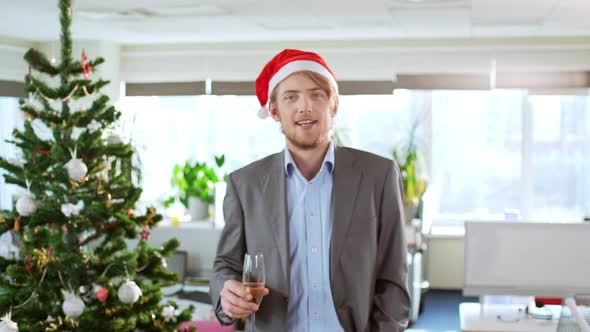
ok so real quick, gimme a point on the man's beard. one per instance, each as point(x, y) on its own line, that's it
point(302, 144)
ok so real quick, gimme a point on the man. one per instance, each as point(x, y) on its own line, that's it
point(327, 219)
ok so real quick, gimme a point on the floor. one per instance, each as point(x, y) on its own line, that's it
point(441, 312)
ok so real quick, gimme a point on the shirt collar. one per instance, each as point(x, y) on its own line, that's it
point(328, 160)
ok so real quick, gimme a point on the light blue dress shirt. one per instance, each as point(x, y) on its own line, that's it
point(309, 203)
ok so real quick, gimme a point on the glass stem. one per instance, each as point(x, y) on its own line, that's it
point(252, 322)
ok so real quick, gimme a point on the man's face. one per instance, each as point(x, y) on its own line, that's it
point(304, 110)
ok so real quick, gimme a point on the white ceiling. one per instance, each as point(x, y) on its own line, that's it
point(178, 21)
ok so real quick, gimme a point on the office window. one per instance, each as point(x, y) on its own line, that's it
point(378, 123)
point(476, 153)
point(560, 157)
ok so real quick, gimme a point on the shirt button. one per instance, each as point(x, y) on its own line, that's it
point(315, 316)
point(314, 250)
point(315, 284)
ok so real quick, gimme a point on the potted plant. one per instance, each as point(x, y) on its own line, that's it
point(409, 161)
point(196, 184)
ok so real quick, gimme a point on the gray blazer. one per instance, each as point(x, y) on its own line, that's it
point(368, 269)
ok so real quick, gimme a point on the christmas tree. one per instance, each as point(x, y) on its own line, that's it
point(73, 271)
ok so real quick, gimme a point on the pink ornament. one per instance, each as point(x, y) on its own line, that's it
point(102, 295)
point(145, 233)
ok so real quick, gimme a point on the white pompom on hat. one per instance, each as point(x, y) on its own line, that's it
point(285, 63)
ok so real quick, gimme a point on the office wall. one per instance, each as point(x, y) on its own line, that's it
point(12, 65)
point(356, 60)
point(445, 261)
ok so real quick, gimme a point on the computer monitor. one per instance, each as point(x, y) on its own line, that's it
point(527, 258)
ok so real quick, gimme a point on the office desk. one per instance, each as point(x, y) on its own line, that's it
point(511, 320)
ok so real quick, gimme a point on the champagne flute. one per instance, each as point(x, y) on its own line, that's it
point(253, 279)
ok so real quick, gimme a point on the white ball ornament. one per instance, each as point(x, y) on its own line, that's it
point(115, 139)
point(73, 305)
point(129, 292)
point(7, 325)
point(26, 205)
point(76, 168)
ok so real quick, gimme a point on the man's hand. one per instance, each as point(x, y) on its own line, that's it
point(236, 302)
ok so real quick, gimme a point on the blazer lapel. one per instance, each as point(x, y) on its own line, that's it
point(345, 188)
point(274, 189)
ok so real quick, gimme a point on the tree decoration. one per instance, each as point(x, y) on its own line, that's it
point(7, 325)
point(72, 305)
point(76, 168)
point(169, 313)
point(41, 257)
point(102, 295)
point(70, 209)
point(129, 292)
point(86, 67)
point(93, 126)
point(26, 204)
point(145, 233)
point(114, 139)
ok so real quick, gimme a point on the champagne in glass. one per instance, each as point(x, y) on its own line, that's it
point(256, 289)
point(253, 279)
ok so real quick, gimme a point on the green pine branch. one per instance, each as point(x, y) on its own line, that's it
point(76, 67)
point(65, 19)
point(40, 62)
point(73, 89)
point(50, 117)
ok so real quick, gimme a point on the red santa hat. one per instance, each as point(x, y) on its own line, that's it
point(284, 64)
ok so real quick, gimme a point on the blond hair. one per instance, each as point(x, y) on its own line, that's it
point(318, 79)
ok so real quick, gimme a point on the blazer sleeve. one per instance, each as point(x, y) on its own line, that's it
point(391, 304)
point(230, 250)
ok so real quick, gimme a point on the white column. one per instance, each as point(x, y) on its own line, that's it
point(586, 161)
point(527, 159)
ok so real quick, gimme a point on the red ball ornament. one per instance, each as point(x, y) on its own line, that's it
point(145, 233)
point(102, 295)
